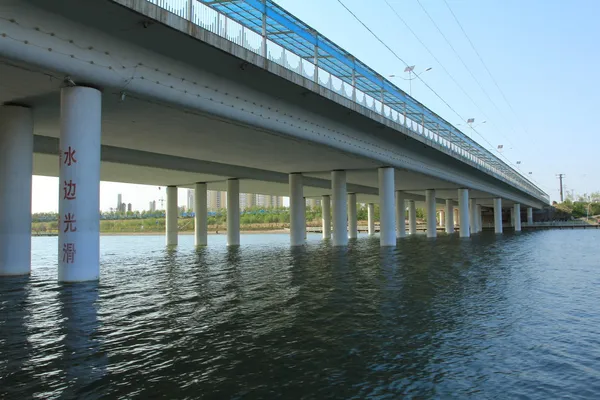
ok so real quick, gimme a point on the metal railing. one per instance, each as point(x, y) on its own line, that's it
point(266, 29)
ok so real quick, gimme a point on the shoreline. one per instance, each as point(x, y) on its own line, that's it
point(223, 233)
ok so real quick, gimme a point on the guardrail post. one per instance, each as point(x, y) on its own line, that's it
point(353, 79)
point(316, 57)
point(264, 29)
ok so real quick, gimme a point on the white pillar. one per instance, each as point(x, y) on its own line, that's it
point(412, 217)
point(305, 231)
point(200, 215)
point(463, 208)
point(387, 236)
point(171, 216)
point(16, 164)
point(338, 186)
point(79, 180)
point(442, 221)
point(498, 215)
point(449, 216)
point(517, 214)
point(371, 217)
point(233, 212)
point(400, 214)
point(473, 215)
point(529, 215)
point(326, 216)
point(352, 217)
point(479, 219)
point(430, 206)
point(297, 210)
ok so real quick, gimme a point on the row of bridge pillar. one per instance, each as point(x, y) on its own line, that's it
point(79, 202)
point(393, 206)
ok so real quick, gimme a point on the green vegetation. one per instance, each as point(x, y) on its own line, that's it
point(582, 207)
point(252, 219)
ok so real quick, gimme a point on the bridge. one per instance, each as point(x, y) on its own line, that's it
point(226, 95)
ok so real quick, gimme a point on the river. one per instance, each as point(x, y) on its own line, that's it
point(511, 316)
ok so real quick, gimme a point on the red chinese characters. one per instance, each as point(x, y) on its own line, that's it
point(69, 156)
point(69, 253)
point(70, 190)
point(69, 193)
point(70, 223)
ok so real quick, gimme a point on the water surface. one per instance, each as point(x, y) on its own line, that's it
point(511, 316)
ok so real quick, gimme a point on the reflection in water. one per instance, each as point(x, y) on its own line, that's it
point(494, 316)
point(83, 361)
point(15, 349)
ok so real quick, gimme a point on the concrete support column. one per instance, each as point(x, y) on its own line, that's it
point(430, 207)
point(517, 215)
point(338, 186)
point(400, 214)
point(233, 212)
point(473, 215)
point(371, 217)
point(463, 208)
point(326, 216)
point(449, 216)
point(200, 215)
point(304, 218)
point(498, 215)
point(511, 212)
point(412, 217)
point(171, 216)
point(16, 164)
point(387, 236)
point(79, 182)
point(479, 219)
point(352, 217)
point(456, 220)
point(529, 215)
point(442, 221)
point(297, 210)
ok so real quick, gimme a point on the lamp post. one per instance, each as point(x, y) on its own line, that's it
point(470, 123)
point(410, 69)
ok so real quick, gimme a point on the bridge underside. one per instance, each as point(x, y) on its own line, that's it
point(150, 143)
point(158, 140)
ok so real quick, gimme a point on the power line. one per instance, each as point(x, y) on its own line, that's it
point(419, 77)
point(443, 68)
point(398, 57)
point(467, 68)
point(426, 48)
point(484, 64)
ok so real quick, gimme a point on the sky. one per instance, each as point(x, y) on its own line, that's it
point(543, 60)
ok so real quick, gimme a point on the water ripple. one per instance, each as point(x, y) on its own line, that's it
point(512, 316)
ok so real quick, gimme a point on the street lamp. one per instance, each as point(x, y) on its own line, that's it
point(470, 122)
point(410, 69)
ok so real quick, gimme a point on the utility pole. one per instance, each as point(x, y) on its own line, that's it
point(560, 178)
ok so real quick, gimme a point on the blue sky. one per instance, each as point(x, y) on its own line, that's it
point(543, 55)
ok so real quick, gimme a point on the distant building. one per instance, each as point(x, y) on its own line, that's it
point(190, 200)
point(119, 202)
point(216, 200)
point(152, 206)
point(312, 203)
point(267, 201)
point(251, 200)
point(129, 207)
